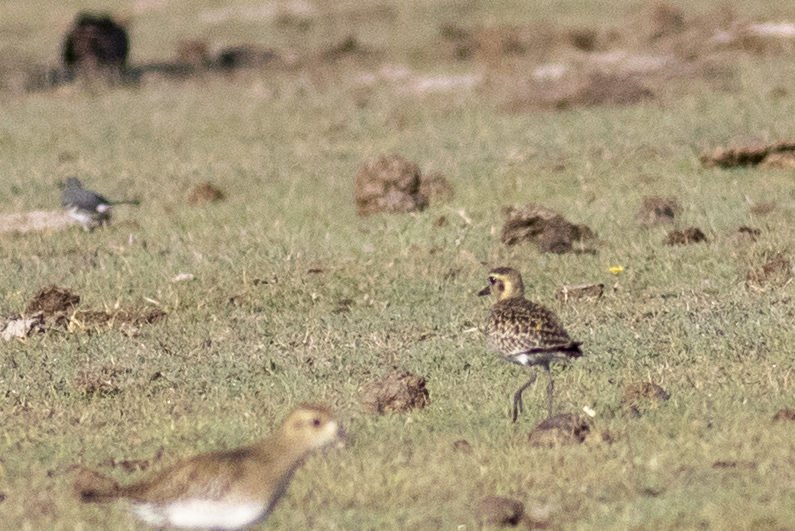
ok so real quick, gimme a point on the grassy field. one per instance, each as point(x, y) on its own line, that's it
point(259, 328)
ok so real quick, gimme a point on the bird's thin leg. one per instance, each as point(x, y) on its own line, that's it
point(550, 389)
point(518, 406)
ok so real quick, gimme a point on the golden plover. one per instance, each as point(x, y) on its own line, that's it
point(524, 332)
point(225, 489)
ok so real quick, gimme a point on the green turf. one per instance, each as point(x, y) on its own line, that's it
point(258, 330)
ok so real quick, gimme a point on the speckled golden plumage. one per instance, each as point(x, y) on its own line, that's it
point(524, 332)
point(225, 489)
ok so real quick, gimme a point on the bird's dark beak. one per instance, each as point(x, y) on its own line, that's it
point(485, 291)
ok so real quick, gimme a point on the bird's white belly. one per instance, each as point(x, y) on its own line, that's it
point(200, 514)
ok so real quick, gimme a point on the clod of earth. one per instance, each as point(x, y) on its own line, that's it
point(564, 428)
point(120, 317)
point(205, 192)
point(636, 393)
point(436, 188)
point(763, 209)
point(52, 300)
point(658, 210)
point(748, 465)
point(390, 184)
point(95, 44)
point(785, 414)
point(776, 272)
point(499, 511)
point(580, 291)
point(579, 89)
point(685, 236)
point(462, 446)
point(546, 228)
point(778, 155)
point(745, 234)
point(663, 20)
point(397, 392)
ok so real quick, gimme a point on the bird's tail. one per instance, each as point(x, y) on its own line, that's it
point(93, 487)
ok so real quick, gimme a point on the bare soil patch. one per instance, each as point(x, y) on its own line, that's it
point(204, 193)
point(777, 155)
point(549, 230)
point(776, 272)
point(657, 210)
point(580, 292)
point(561, 429)
point(397, 392)
point(52, 300)
point(436, 188)
point(637, 393)
point(55, 307)
point(744, 235)
point(685, 236)
point(784, 414)
point(499, 511)
point(763, 209)
point(38, 220)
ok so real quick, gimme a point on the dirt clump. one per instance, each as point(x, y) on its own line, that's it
point(499, 511)
point(777, 155)
point(462, 446)
point(685, 236)
point(95, 44)
point(564, 428)
point(580, 292)
point(636, 393)
point(763, 209)
point(784, 414)
point(243, 56)
point(120, 317)
point(397, 392)
point(612, 89)
point(348, 47)
point(390, 184)
point(745, 235)
point(549, 230)
point(778, 271)
point(663, 20)
point(54, 304)
point(577, 89)
point(204, 193)
point(436, 188)
point(657, 210)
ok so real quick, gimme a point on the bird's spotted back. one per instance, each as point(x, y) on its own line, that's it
point(518, 325)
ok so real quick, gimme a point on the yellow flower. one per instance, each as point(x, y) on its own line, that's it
point(616, 270)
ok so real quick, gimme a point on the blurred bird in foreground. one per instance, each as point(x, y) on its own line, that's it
point(524, 332)
point(225, 489)
point(87, 206)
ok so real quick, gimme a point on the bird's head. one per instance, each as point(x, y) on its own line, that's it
point(312, 426)
point(504, 283)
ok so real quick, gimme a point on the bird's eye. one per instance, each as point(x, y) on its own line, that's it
point(316, 423)
point(492, 280)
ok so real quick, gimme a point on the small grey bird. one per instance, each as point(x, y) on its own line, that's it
point(87, 206)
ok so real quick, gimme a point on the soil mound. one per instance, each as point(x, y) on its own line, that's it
point(390, 184)
point(397, 392)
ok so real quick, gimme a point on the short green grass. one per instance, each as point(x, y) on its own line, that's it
point(255, 333)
